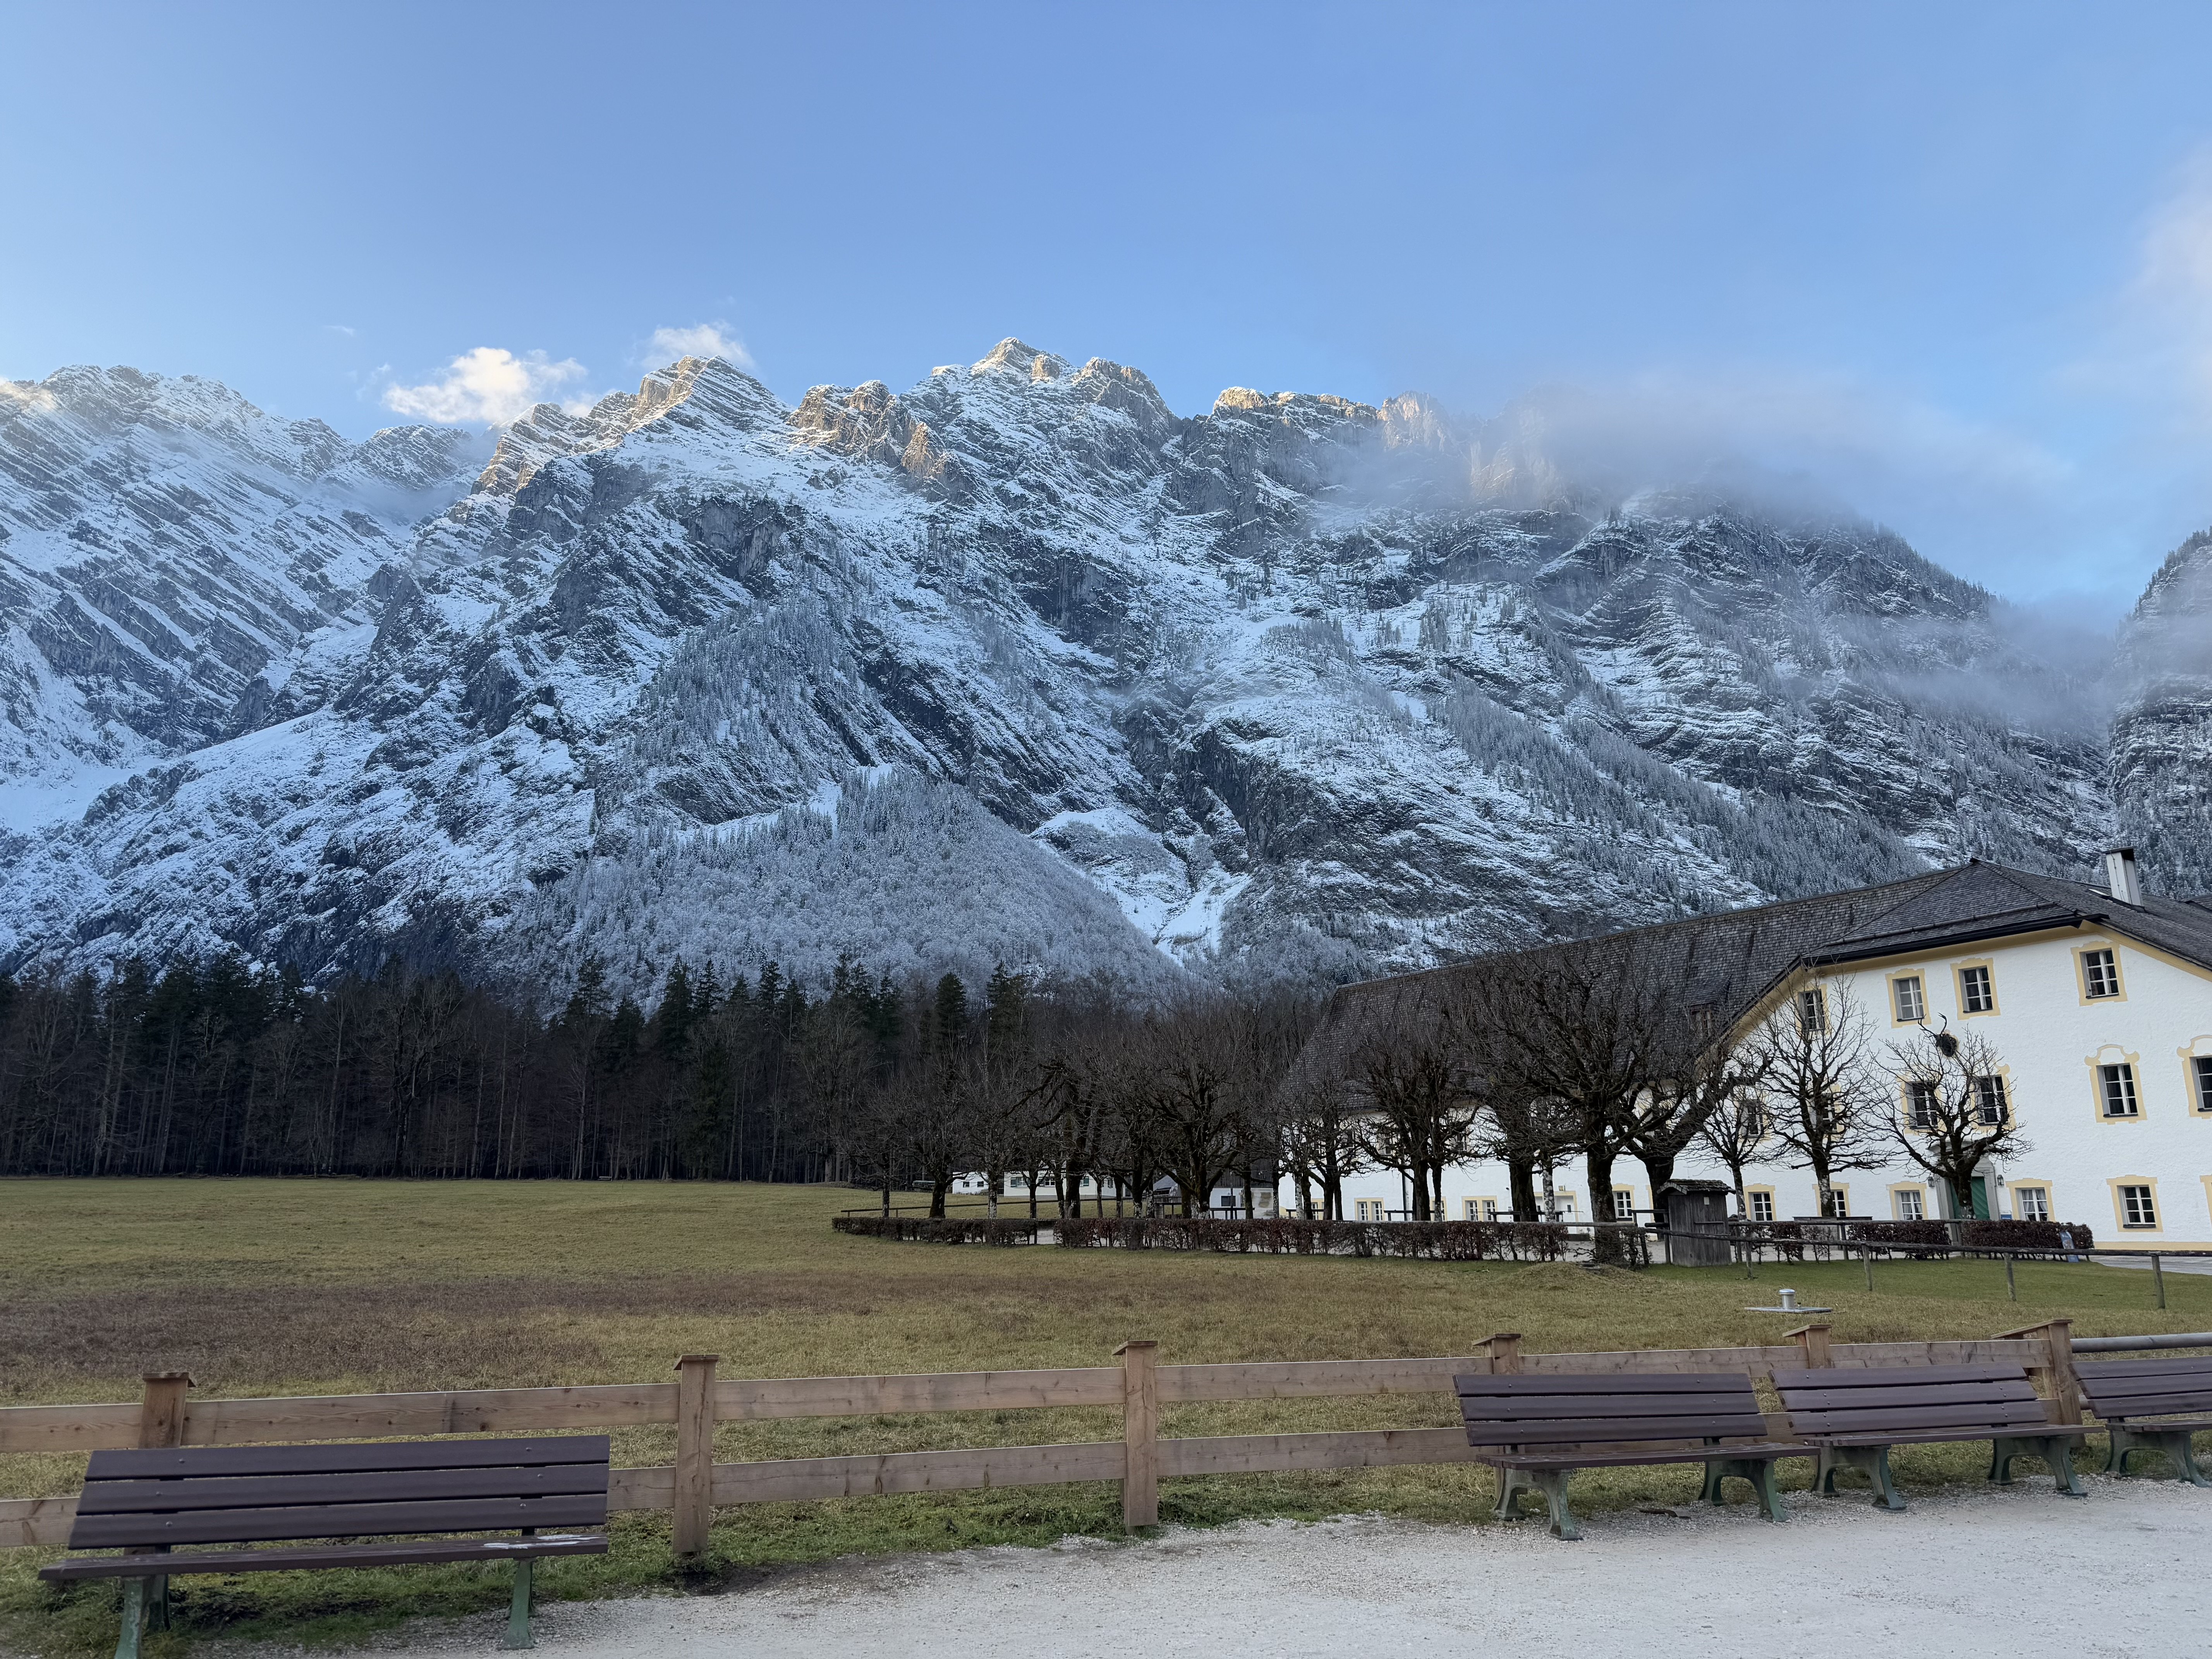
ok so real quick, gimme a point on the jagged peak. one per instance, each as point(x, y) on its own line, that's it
point(1011, 356)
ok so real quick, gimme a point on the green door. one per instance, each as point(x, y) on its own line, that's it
point(1981, 1197)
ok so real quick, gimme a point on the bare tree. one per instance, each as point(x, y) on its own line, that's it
point(1956, 1111)
point(1733, 1132)
point(1584, 1026)
point(1831, 1103)
point(1421, 1108)
point(1708, 1074)
point(1319, 1144)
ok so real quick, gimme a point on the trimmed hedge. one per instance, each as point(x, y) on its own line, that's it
point(1433, 1241)
point(1791, 1239)
point(942, 1230)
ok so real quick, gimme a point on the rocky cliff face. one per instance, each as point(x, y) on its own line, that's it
point(165, 547)
point(1298, 685)
point(2162, 736)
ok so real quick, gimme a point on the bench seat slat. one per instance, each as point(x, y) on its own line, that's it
point(1598, 1405)
point(1595, 1430)
point(207, 1461)
point(354, 1555)
point(384, 1487)
point(239, 1526)
point(1946, 1436)
point(1964, 1417)
point(2155, 1405)
point(1608, 1457)
point(1606, 1382)
point(2196, 1365)
point(2015, 1392)
point(2160, 1388)
point(1886, 1376)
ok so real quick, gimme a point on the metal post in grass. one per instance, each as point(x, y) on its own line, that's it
point(2012, 1289)
point(1868, 1254)
point(2158, 1278)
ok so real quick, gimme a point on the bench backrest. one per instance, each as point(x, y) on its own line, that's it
point(1584, 1410)
point(2123, 1389)
point(1905, 1399)
point(252, 1494)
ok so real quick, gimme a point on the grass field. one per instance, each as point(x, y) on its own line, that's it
point(315, 1287)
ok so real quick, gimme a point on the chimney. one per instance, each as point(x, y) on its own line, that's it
point(2122, 879)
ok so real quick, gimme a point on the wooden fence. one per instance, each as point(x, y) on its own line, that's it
point(695, 1484)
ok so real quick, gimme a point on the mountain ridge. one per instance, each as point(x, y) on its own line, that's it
point(1299, 685)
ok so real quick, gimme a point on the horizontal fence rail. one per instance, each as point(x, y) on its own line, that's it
point(695, 1484)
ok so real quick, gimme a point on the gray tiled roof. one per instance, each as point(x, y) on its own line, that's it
point(1726, 961)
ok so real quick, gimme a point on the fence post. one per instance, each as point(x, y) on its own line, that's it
point(1140, 1436)
point(161, 1423)
point(1504, 1352)
point(695, 1452)
point(2056, 1371)
point(1812, 1341)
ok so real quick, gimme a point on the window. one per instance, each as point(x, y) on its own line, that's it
point(1813, 1011)
point(1989, 1108)
point(1910, 1001)
point(1624, 1204)
point(2137, 1207)
point(1479, 1209)
point(1920, 1105)
point(1978, 993)
point(2031, 1203)
point(1701, 1022)
point(1836, 1204)
point(1762, 1205)
point(2101, 974)
point(2202, 1065)
point(1369, 1209)
point(2117, 1085)
point(1912, 1204)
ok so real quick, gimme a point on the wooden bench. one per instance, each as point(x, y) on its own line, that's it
point(146, 1503)
point(1855, 1416)
point(1537, 1431)
point(2127, 1394)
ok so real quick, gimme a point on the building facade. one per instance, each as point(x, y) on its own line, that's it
point(2096, 1001)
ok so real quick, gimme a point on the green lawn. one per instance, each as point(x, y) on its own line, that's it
point(340, 1286)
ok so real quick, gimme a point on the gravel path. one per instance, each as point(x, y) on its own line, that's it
point(1988, 1572)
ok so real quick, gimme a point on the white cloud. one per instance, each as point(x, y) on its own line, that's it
point(491, 386)
point(700, 340)
point(2168, 307)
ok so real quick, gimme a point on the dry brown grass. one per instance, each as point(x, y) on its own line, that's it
point(310, 1287)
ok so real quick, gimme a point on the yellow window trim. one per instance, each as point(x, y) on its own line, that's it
point(2119, 1210)
point(1958, 987)
point(2111, 1055)
point(2082, 973)
point(1889, 988)
point(2199, 1098)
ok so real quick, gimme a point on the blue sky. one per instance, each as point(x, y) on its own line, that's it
point(1951, 263)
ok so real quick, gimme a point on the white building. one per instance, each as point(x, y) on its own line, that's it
point(2098, 1001)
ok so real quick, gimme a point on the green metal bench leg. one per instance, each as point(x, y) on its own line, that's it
point(134, 1608)
point(2173, 1443)
point(1553, 1483)
point(1872, 1461)
point(157, 1603)
point(518, 1614)
point(1511, 1483)
point(1758, 1471)
point(2057, 1450)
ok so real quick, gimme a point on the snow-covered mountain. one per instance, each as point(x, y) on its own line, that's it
point(1016, 664)
point(2162, 736)
point(165, 546)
